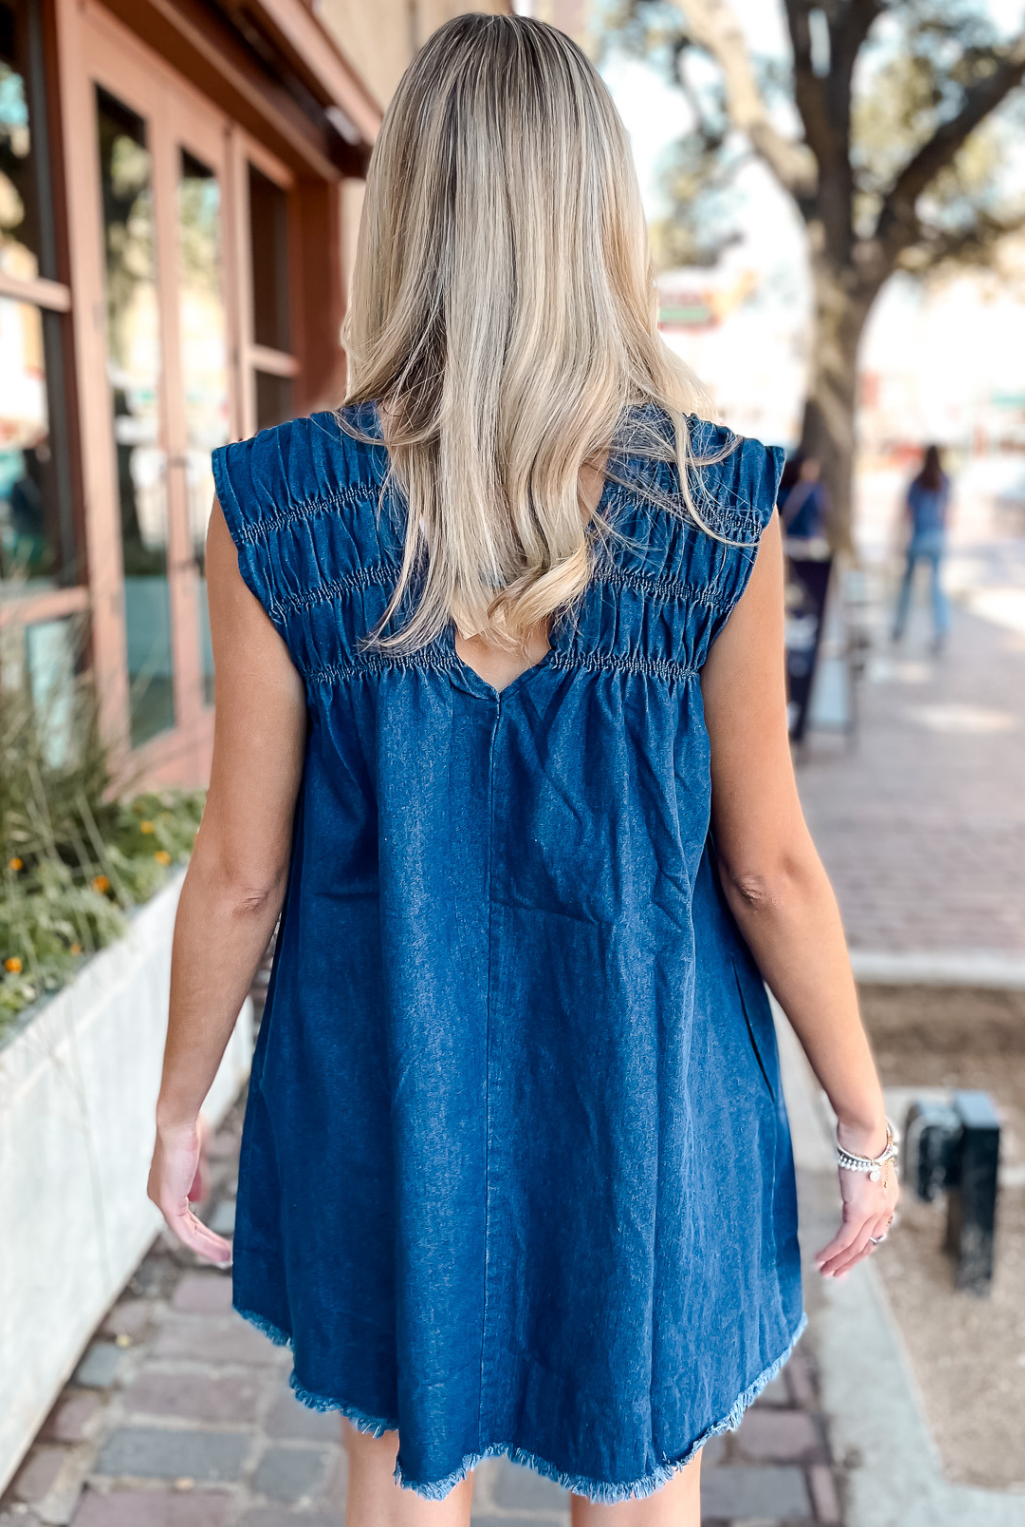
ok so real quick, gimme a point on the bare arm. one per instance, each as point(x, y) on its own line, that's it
point(235, 883)
point(778, 890)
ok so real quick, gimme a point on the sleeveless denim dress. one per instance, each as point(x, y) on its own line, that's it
point(516, 1173)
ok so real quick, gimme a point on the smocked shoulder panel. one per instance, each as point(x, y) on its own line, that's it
point(665, 587)
point(316, 545)
point(320, 547)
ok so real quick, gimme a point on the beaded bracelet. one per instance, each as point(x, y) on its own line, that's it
point(873, 1165)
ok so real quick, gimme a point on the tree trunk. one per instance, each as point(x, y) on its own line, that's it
point(842, 305)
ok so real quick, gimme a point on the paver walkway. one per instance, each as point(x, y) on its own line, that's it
point(921, 823)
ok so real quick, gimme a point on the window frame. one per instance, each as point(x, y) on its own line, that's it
point(50, 295)
point(254, 358)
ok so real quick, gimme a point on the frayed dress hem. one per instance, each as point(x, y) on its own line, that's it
point(604, 1492)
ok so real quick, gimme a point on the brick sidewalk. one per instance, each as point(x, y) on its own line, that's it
point(921, 823)
point(180, 1415)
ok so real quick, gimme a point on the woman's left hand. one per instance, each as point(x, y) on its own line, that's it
point(177, 1175)
point(869, 1209)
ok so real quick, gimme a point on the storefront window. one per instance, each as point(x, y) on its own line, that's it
point(26, 229)
point(133, 370)
point(273, 399)
point(52, 649)
point(268, 243)
point(268, 240)
point(43, 660)
point(36, 539)
point(204, 361)
point(31, 529)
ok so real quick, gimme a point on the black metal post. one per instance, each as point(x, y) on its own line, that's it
point(972, 1192)
point(932, 1132)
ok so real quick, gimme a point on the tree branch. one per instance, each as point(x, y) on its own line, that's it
point(714, 27)
point(898, 225)
point(810, 90)
point(975, 244)
point(848, 38)
point(858, 20)
point(711, 137)
point(824, 102)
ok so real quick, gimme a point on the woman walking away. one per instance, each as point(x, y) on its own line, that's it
point(926, 505)
point(501, 730)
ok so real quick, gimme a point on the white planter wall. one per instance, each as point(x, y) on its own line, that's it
point(78, 1087)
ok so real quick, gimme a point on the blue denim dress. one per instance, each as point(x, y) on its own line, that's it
point(516, 1173)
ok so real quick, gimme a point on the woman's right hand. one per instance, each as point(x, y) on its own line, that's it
point(177, 1174)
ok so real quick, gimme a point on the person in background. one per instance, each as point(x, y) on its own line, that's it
point(803, 500)
point(804, 514)
point(927, 502)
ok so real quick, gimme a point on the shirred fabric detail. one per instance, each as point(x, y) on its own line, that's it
point(516, 1173)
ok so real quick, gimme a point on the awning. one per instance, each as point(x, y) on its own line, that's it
point(271, 65)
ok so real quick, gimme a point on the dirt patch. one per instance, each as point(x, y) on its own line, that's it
point(968, 1354)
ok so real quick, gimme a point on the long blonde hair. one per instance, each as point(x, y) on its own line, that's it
point(503, 319)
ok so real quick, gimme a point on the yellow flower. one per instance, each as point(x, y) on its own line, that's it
point(101, 884)
point(162, 856)
point(76, 949)
point(16, 864)
point(146, 827)
point(13, 964)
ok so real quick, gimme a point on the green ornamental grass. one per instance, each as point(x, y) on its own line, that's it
point(73, 857)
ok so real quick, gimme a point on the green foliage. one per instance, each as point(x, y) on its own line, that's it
point(911, 79)
point(72, 858)
point(914, 71)
point(697, 171)
point(701, 224)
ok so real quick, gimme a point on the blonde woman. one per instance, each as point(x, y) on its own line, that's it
point(501, 732)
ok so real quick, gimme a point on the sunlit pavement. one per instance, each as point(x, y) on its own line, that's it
point(920, 818)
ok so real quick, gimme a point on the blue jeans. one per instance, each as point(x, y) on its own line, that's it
point(929, 546)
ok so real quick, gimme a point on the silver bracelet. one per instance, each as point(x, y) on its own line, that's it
point(873, 1165)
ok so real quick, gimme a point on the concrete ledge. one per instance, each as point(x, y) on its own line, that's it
point(939, 967)
point(78, 1086)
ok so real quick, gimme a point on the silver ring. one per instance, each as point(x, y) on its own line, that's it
point(877, 1240)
